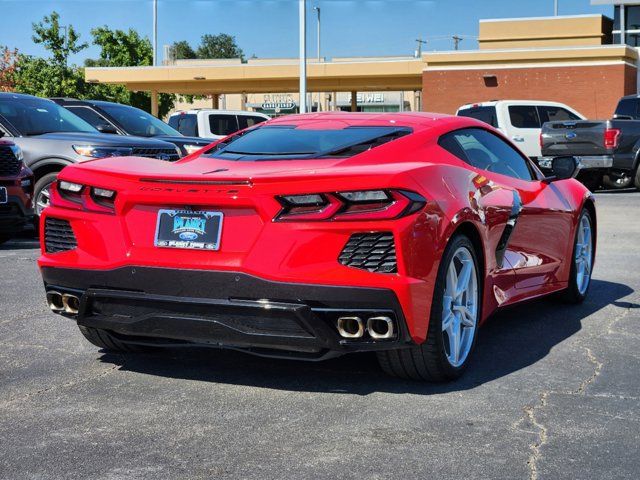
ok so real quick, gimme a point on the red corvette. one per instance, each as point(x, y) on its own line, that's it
point(316, 235)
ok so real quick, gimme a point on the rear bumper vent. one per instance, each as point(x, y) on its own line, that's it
point(375, 252)
point(58, 236)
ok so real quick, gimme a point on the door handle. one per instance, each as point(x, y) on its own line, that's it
point(518, 139)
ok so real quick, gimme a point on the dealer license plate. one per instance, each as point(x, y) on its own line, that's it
point(188, 229)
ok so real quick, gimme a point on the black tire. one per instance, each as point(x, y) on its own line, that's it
point(636, 179)
point(42, 183)
point(103, 339)
point(428, 361)
point(572, 293)
point(614, 182)
point(4, 238)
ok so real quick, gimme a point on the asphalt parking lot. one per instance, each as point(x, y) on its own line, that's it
point(553, 392)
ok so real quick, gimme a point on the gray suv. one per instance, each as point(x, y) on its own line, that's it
point(51, 138)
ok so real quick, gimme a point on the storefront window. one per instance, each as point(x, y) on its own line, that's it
point(631, 24)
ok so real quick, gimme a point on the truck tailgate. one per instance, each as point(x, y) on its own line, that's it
point(580, 137)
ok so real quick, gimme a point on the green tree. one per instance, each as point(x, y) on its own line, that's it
point(219, 46)
point(61, 41)
point(181, 50)
point(51, 77)
point(119, 48)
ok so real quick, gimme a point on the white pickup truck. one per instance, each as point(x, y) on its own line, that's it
point(214, 124)
point(520, 120)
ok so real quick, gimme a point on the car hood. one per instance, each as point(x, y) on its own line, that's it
point(104, 139)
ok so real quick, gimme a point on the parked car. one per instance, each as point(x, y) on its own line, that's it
point(51, 138)
point(214, 124)
point(115, 118)
point(520, 120)
point(16, 191)
point(614, 145)
point(390, 233)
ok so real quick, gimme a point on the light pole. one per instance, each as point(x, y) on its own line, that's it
point(155, 33)
point(303, 55)
point(317, 9)
point(555, 8)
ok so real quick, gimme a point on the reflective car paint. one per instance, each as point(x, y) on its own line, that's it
point(459, 196)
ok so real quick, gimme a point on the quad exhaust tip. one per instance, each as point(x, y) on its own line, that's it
point(71, 304)
point(380, 328)
point(63, 302)
point(54, 300)
point(350, 327)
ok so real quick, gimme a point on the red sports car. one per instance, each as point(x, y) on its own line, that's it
point(316, 235)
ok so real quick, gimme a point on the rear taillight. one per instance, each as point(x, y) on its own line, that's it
point(611, 138)
point(355, 205)
point(82, 197)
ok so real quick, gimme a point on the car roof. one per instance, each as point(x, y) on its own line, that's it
point(193, 111)
point(493, 103)
point(19, 95)
point(415, 120)
point(97, 103)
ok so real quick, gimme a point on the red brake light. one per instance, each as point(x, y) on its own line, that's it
point(82, 197)
point(611, 137)
point(359, 205)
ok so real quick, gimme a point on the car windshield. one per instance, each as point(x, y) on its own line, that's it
point(265, 143)
point(138, 122)
point(36, 116)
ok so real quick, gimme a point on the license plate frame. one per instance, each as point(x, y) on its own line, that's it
point(188, 229)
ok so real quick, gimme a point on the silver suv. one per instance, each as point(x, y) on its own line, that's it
point(51, 138)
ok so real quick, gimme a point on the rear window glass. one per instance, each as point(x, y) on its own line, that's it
point(524, 116)
point(484, 114)
point(223, 124)
point(555, 114)
point(627, 107)
point(265, 143)
point(246, 121)
point(185, 124)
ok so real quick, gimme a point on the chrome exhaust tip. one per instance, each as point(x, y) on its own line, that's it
point(350, 327)
point(71, 304)
point(54, 300)
point(380, 328)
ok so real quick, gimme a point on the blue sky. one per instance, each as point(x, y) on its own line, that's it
point(268, 28)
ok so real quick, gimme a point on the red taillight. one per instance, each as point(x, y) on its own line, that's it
point(611, 137)
point(540, 139)
point(82, 197)
point(357, 205)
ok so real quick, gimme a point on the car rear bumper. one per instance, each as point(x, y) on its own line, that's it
point(587, 162)
point(160, 306)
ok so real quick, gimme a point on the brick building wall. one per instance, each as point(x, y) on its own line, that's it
point(593, 90)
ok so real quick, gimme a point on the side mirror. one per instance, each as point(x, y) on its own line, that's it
point(563, 168)
point(106, 128)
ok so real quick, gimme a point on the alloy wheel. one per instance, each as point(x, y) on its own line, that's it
point(43, 200)
point(460, 307)
point(583, 254)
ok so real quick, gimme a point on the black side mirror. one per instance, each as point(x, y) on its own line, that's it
point(563, 168)
point(106, 128)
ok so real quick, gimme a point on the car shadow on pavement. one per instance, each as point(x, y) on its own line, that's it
point(511, 340)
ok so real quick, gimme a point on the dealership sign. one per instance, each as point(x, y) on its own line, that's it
point(278, 102)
